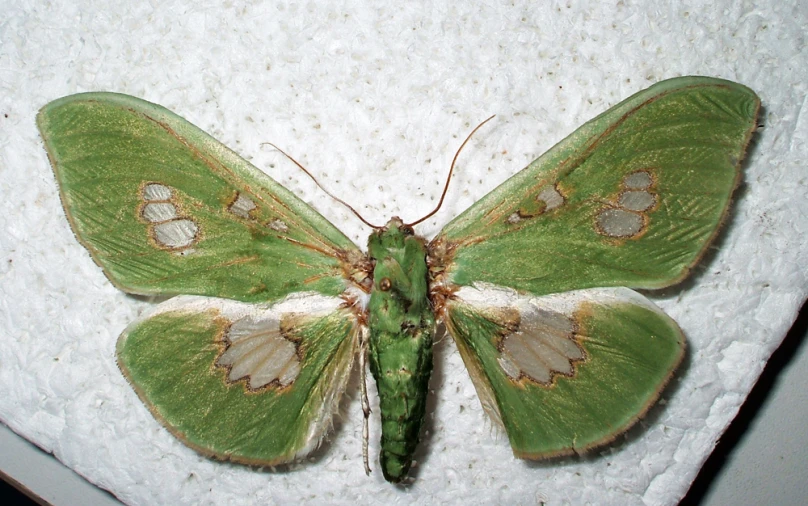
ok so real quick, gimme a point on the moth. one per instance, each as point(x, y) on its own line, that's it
point(534, 281)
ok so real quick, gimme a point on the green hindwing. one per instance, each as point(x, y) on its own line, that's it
point(564, 373)
point(255, 384)
point(165, 209)
point(631, 199)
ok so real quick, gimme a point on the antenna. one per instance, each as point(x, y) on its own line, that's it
point(449, 177)
point(356, 213)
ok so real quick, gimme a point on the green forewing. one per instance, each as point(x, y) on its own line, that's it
point(631, 351)
point(170, 360)
point(251, 239)
point(541, 230)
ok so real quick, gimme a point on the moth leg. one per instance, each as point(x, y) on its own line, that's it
point(363, 355)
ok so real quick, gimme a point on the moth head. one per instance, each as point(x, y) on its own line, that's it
point(391, 236)
point(399, 257)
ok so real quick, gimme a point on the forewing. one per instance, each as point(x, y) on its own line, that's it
point(241, 382)
point(564, 373)
point(164, 208)
point(631, 198)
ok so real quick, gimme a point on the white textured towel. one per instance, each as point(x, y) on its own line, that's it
point(374, 98)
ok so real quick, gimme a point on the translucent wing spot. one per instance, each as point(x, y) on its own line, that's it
point(547, 199)
point(541, 347)
point(619, 223)
point(155, 191)
point(242, 206)
point(637, 200)
point(156, 212)
point(640, 180)
point(260, 353)
point(551, 197)
point(176, 234)
point(627, 217)
point(167, 227)
point(514, 218)
point(278, 225)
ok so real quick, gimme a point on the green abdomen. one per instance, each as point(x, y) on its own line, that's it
point(401, 365)
point(400, 348)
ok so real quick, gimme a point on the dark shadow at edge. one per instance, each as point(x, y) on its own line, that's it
point(14, 492)
point(757, 398)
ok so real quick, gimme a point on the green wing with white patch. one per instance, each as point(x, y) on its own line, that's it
point(254, 384)
point(164, 208)
point(567, 372)
point(631, 198)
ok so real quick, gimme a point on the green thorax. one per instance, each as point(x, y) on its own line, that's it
point(400, 349)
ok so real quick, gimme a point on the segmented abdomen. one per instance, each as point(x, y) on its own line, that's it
point(401, 365)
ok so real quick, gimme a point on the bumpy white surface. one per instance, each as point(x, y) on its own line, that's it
point(374, 97)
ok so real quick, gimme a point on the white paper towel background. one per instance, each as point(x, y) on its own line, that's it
point(375, 98)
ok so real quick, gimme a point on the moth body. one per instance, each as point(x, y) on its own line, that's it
point(400, 347)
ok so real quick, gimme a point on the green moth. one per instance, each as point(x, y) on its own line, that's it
point(249, 364)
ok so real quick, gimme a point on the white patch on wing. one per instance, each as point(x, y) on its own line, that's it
point(487, 295)
point(258, 351)
point(156, 192)
point(639, 180)
point(542, 346)
point(637, 200)
point(156, 212)
point(619, 222)
point(176, 234)
point(242, 206)
point(551, 197)
point(548, 195)
point(278, 225)
point(627, 217)
point(167, 227)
